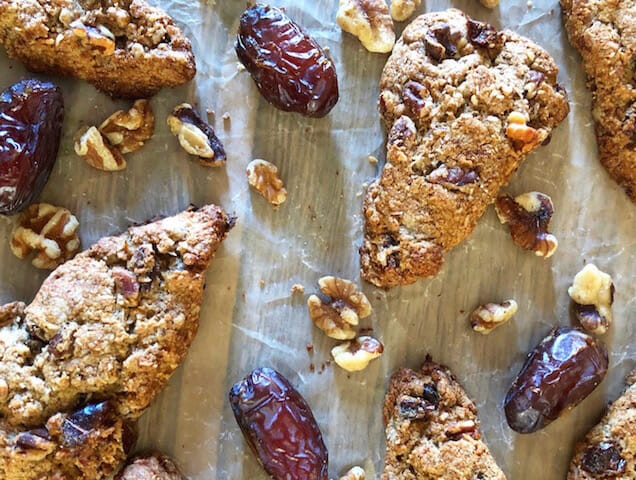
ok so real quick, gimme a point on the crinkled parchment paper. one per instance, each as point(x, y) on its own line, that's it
point(246, 323)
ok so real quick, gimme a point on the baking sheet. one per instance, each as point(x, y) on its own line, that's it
point(249, 317)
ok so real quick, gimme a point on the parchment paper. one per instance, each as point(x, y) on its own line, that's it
point(246, 324)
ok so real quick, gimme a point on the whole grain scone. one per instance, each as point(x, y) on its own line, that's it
point(153, 466)
point(609, 449)
point(102, 336)
point(463, 104)
point(604, 32)
point(432, 429)
point(126, 48)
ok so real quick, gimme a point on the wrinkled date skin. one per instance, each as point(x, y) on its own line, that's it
point(558, 374)
point(279, 426)
point(290, 69)
point(31, 115)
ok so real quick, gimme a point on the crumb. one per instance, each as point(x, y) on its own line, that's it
point(297, 288)
point(211, 115)
point(262, 283)
point(312, 367)
point(373, 160)
point(240, 67)
point(326, 49)
point(462, 311)
point(309, 347)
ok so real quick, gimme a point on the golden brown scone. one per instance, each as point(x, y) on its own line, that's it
point(102, 336)
point(604, 32)
point(152, 466)
point(609, 449)
point(432, 429)
point(464, 104)
point(126, 48)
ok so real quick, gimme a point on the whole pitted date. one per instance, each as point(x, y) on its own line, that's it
point(279, 426)
point(31, 115)
point(290, 69)
point(558, 374)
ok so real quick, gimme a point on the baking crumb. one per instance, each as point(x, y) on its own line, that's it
point(326, 49)
point(358, 194)
point(365, 185)
point(309, 347)
point(373, 160)
point(211, 115)
point(240, 67)
point(312, 367)
point(226, 120)
point(462, 311)
point(262, 283)
point(529, 3)
point(297, 288)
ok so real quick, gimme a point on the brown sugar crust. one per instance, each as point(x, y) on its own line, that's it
point(126, 48)
point(604, 32)
point(447, 95)
point(608, 451)
point(432, 429)
point(102, 336)
point(153, 466)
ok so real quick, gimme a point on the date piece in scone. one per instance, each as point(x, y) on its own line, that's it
point(153, 466)
point(102, 336)
point(464, 104)
point(604, 32)
point(126, 48)
point(432, 429)
point(609, 449)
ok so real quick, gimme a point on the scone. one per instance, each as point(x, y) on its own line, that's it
point(102, 336)
point(463, 104)
point(604, 32)
point(609, 449)
point(432, 429)
point(153, 466)
point(124, 47)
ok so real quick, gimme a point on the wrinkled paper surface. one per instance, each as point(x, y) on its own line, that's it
point(246, 323)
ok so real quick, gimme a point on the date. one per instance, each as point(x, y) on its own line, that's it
point(279, 426)
point(288, 66)
point(31, 115)
point(558, 374)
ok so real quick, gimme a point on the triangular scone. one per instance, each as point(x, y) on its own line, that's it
point(605, 35)
point(609, 449)
point(102, 336)
point(464, 104)
point(432, 429)
point(126, 48)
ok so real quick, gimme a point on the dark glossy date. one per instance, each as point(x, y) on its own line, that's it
point(31, 115)
point(279, 426)
point(289, 67)
point(558, 374)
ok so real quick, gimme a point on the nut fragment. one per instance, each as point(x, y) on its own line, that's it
point(263, 177)
point(593, 294)
point(402, 10)
point(524, 138)
point(99, 37)
point(196, 136)
point(93, 147)
point(49, 231)
point(355, 473)
point(489, 316)
point(129, 130)
point(369, 20)
point(490, 3)
point(528, 217)
point(355, 355)
point(343, 308)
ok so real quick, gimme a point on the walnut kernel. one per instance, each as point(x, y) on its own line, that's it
point(263, 177)
point(593, 294)
point(129, 130)
point(524, 138)
point(49, 231)
point(355, 355)
point(369, 20)
point(489, 316)
point(355, 473)
point(490, 3)
point(402, 10)
point(93, 147)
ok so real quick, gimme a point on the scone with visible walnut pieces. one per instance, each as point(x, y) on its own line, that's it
point(126, 48)
point(604, 32)
point(432, 429)
point(102, 336)
point(463, 104)
point(153, 466)
point(609, 449)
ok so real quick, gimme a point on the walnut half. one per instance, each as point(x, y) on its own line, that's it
point(355, 473)
point(98, 152)
point(402, 10)
point(369, 20)
point(489, 316)
point(263, 177)
point(593, 294)
point(128, 130)
point(355, 355)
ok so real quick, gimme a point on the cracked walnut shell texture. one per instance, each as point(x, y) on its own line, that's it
point(450, 92)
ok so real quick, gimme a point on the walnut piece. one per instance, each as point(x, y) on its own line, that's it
point(355, 355)
point(402, 10)
point(355, 473)
point(342, 309)
point(263, 177)
point(129, 130)
point(593, 294)
point(524, 138)
point(98, 152)
point(528, 217)
point(489, 316)
point(99, 36)
point(490, 3)
point(196, 136)
point(369, 20)
point(49, 231)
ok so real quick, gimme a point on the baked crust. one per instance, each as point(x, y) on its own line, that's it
point(102, 336)
point(432, 429)
point(152, 466)
point(604, 32)
point(449, 95)
point(126, 48)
